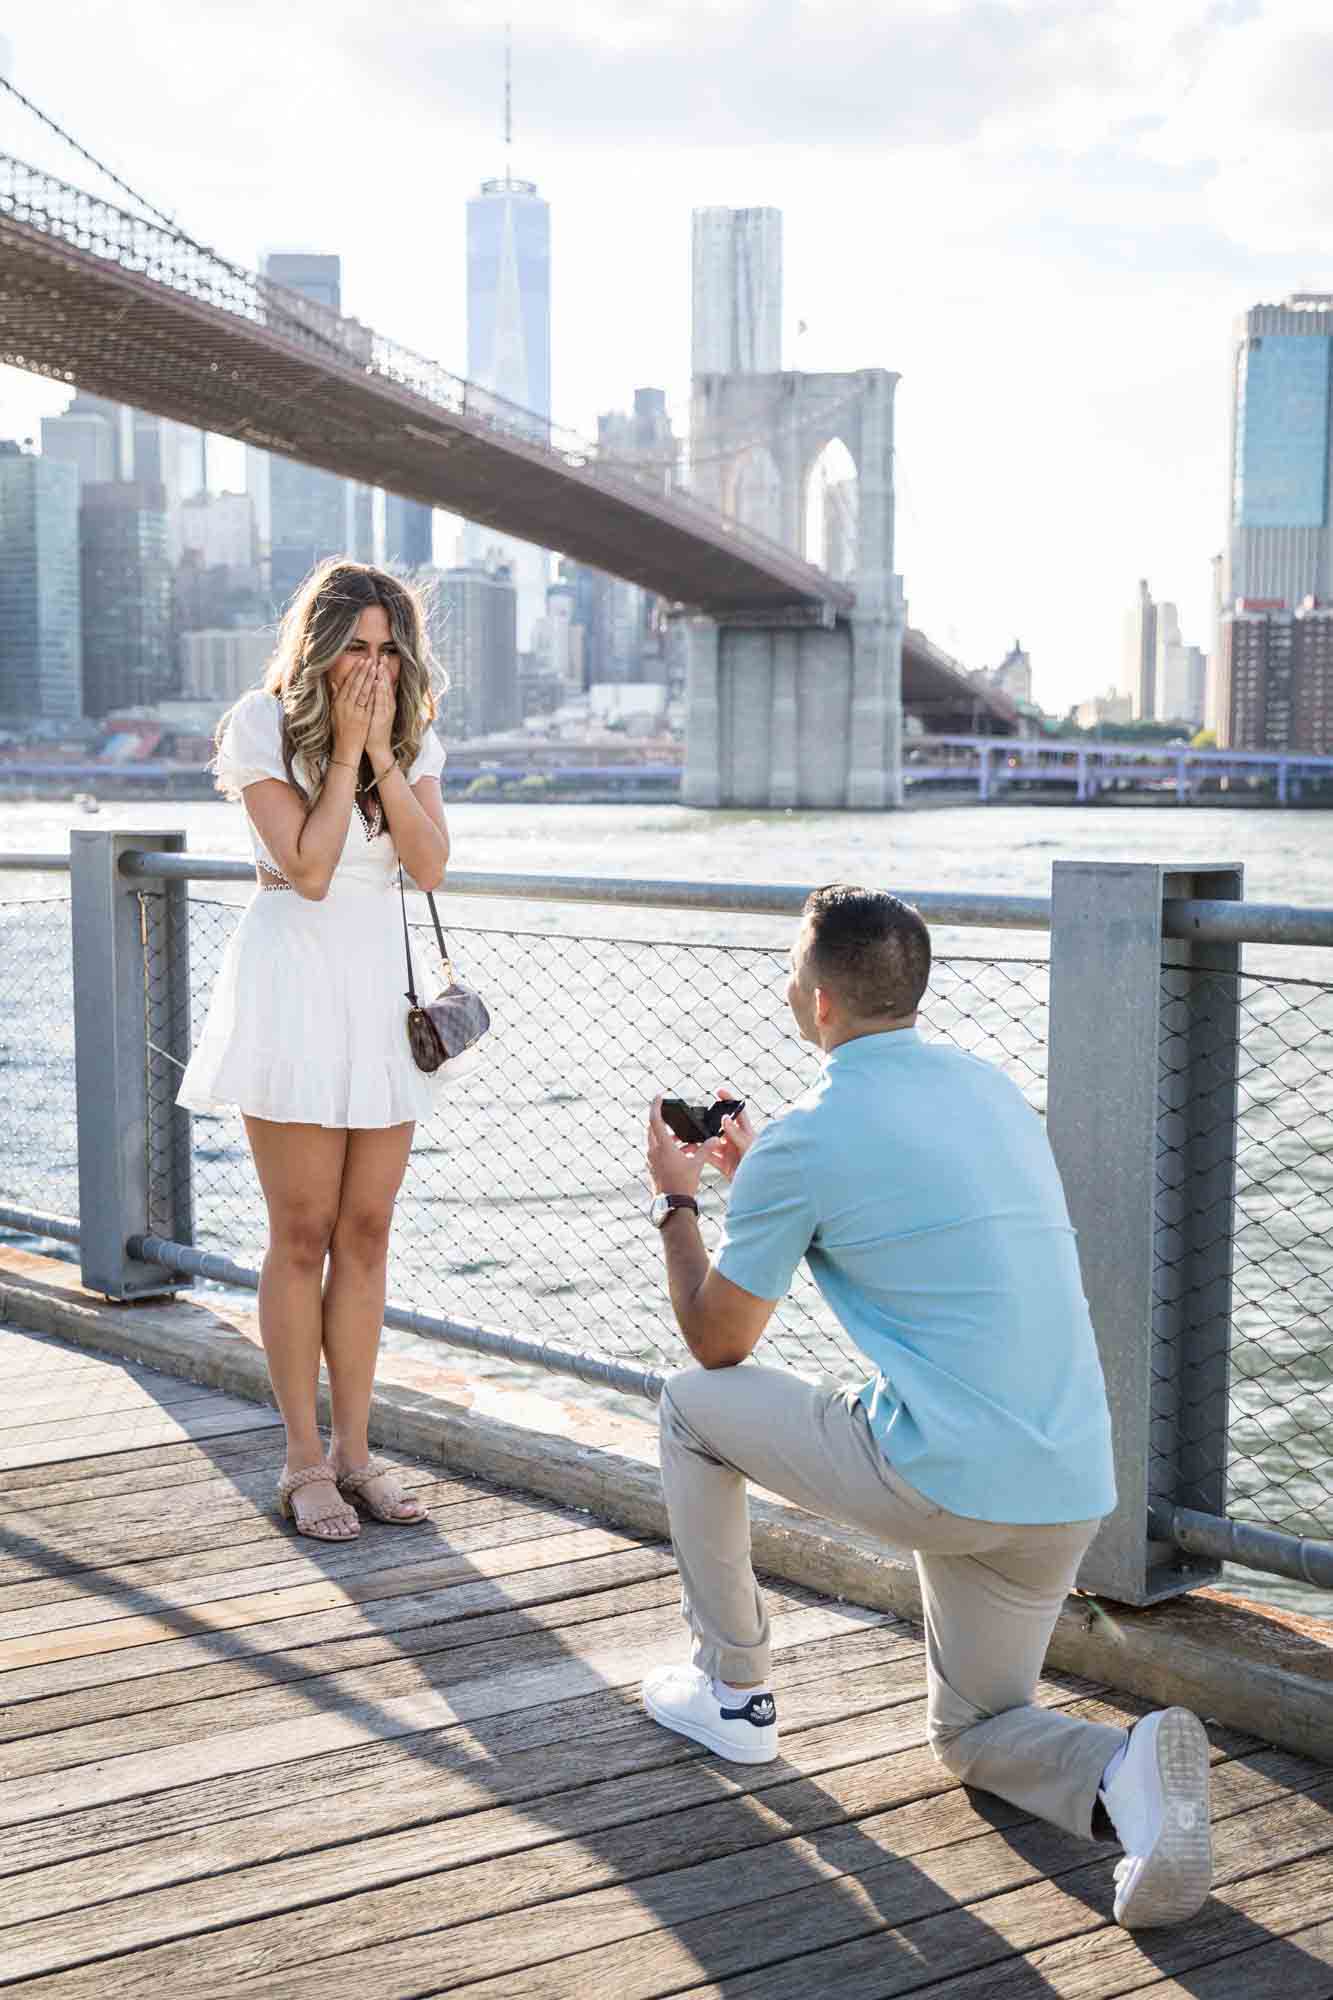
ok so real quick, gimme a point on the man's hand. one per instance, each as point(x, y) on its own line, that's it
point(673, 1168)
point(738, 1135)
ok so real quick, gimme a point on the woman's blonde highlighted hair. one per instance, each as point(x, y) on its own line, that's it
point(316, 630)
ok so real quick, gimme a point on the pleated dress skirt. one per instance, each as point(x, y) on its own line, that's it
point(307, 1024)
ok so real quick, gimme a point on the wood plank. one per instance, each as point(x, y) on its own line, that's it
point(63, 1425)
point(656, 1773)
point(74, 1539)
point(69, 1530)
point(1032, 1883)
point(473, 1614)
point(313, 1613)
point(58, 1444)
point(53, 1401)
point(157, 1586)
point(1088, 1963)
point(245, 1529)
point(1296, 1967)
point(95, 1491)
point(843, 1668)
point(635, 1936)
point(19, 1487)
point(555, 1672)
point(500, 1643)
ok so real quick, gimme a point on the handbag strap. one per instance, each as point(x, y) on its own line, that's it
point(407, 940)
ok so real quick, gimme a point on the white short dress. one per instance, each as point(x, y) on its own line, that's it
point(307, 1021)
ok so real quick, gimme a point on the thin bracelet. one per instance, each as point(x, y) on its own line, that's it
point(378, 777)
point(343, 764)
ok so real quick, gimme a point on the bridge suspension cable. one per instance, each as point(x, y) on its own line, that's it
point(158, 215)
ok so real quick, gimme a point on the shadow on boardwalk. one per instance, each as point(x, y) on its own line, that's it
point(236, 1762)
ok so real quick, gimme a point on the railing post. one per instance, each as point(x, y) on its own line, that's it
point(1141, 1112)
point(131, 1033)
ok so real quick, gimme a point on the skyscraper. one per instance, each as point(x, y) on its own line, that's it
point(473, 616)
point(737, 291)
point(1278, 581)
point(1138, 674)
point(41, 652)
point(125, 581)
point(1281, 538)
point(306, 514)
point(408, 532)
point(625, 632)
point(107, 441)
point(509, 350)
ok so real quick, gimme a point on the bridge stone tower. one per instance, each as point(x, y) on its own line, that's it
point(805, 712)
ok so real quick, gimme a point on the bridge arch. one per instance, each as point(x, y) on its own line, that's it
point(830, 510)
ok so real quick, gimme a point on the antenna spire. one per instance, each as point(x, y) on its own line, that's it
point(509, 124)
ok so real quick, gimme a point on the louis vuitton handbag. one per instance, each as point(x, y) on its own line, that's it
point(454, 1020)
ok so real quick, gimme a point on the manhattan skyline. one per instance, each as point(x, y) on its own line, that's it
point(1045, 217)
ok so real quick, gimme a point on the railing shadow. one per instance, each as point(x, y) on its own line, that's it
point(746, 1870)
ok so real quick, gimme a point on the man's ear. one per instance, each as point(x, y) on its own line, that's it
point(823, 1005)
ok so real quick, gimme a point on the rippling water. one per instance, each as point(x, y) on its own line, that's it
point(524, 1205)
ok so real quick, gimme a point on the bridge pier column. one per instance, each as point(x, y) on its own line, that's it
point(1081, 793)
point(701, 780)
point(784, 774)
point(1284, 783)
point(984, 774)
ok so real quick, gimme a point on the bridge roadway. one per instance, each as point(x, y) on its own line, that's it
point(1093, 768)
point(115, 304)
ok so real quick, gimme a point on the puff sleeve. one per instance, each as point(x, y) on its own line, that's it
point(429, 760)
point(251, 746)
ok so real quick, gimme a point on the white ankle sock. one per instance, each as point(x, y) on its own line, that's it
point(734, 1697)
point(1108, 1775)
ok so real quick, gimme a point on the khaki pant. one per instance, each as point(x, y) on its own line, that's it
point(991, 1592)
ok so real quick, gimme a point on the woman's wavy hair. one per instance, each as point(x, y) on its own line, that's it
point(316, 629)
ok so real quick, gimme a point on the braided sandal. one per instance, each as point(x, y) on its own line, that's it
point(352, 1485)
point(290, 1483)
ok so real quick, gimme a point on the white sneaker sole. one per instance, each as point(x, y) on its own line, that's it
point(713, 1739)
point(1172, 1882)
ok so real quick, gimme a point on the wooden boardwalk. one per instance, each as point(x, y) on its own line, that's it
point(235, 1762)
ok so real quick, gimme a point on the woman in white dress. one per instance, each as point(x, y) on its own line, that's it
point(338, 766)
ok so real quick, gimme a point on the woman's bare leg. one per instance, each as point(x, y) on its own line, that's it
point(300, 1170)
point(354, 1295)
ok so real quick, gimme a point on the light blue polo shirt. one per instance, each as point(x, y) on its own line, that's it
point(919, 1185)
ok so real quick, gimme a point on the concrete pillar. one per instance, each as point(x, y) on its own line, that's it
point(701, 781)
point(783, 774)
point(875, 777)
point(984, 773)
point(745, 705)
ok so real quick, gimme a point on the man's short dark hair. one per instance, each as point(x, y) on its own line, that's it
point(868, 948)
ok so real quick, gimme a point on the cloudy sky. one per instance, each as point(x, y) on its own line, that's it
point(1044, 214)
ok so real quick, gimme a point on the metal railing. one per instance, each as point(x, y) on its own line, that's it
point(1190, 1104)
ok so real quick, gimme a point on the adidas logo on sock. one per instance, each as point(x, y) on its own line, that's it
point(760, 1709)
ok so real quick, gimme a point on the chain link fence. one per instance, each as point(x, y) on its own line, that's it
point(523, 1206)
point(524, 1202)
point(1245, 1177)
point(39, 1159)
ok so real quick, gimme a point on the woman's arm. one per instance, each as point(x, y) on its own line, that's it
point(415, 812)
point(307, 845)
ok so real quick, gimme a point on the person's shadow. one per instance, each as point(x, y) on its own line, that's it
point(450, 1779)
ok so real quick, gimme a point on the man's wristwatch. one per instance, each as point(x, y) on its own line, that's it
point(665, 1204)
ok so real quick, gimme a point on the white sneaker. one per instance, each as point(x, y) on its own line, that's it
point(682, 1698)
point(1158, 1803)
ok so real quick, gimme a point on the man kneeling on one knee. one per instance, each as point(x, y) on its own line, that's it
point(920, 1188)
